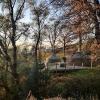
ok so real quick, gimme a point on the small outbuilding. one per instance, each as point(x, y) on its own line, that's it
point(53, 60)
point(80, 59)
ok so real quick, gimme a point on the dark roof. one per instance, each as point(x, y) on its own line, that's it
point(54, 58)
point(77, 55)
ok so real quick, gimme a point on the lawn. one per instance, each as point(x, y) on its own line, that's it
point(95, 72)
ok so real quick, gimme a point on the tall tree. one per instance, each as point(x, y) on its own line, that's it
point(97, 19)
point(12, 11)
point(39, 14)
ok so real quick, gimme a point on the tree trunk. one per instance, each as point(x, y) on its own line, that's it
point(97, 23)
point(97, 30)
point(64, 47)
point(36, 62)
point(14, 53)
point(54, 52)
point(80, 42)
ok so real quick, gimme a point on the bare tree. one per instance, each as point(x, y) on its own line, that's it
point(97, 19)
point(66, 37)
point(40, 13)
point(9, 34)
point(52, 34)
point(81, 10)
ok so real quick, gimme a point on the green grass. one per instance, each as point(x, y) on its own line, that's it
point(84, 73)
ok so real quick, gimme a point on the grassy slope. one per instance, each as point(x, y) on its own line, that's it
point(95, 72)
point(83, 82)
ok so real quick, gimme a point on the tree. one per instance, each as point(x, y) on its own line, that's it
point(52, 34)
point(39, 15)
point(66, 37)
point(97, 19)
point(9, 35)
point(81, 10)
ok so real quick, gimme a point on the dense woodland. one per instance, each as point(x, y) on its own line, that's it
point(55, 27)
